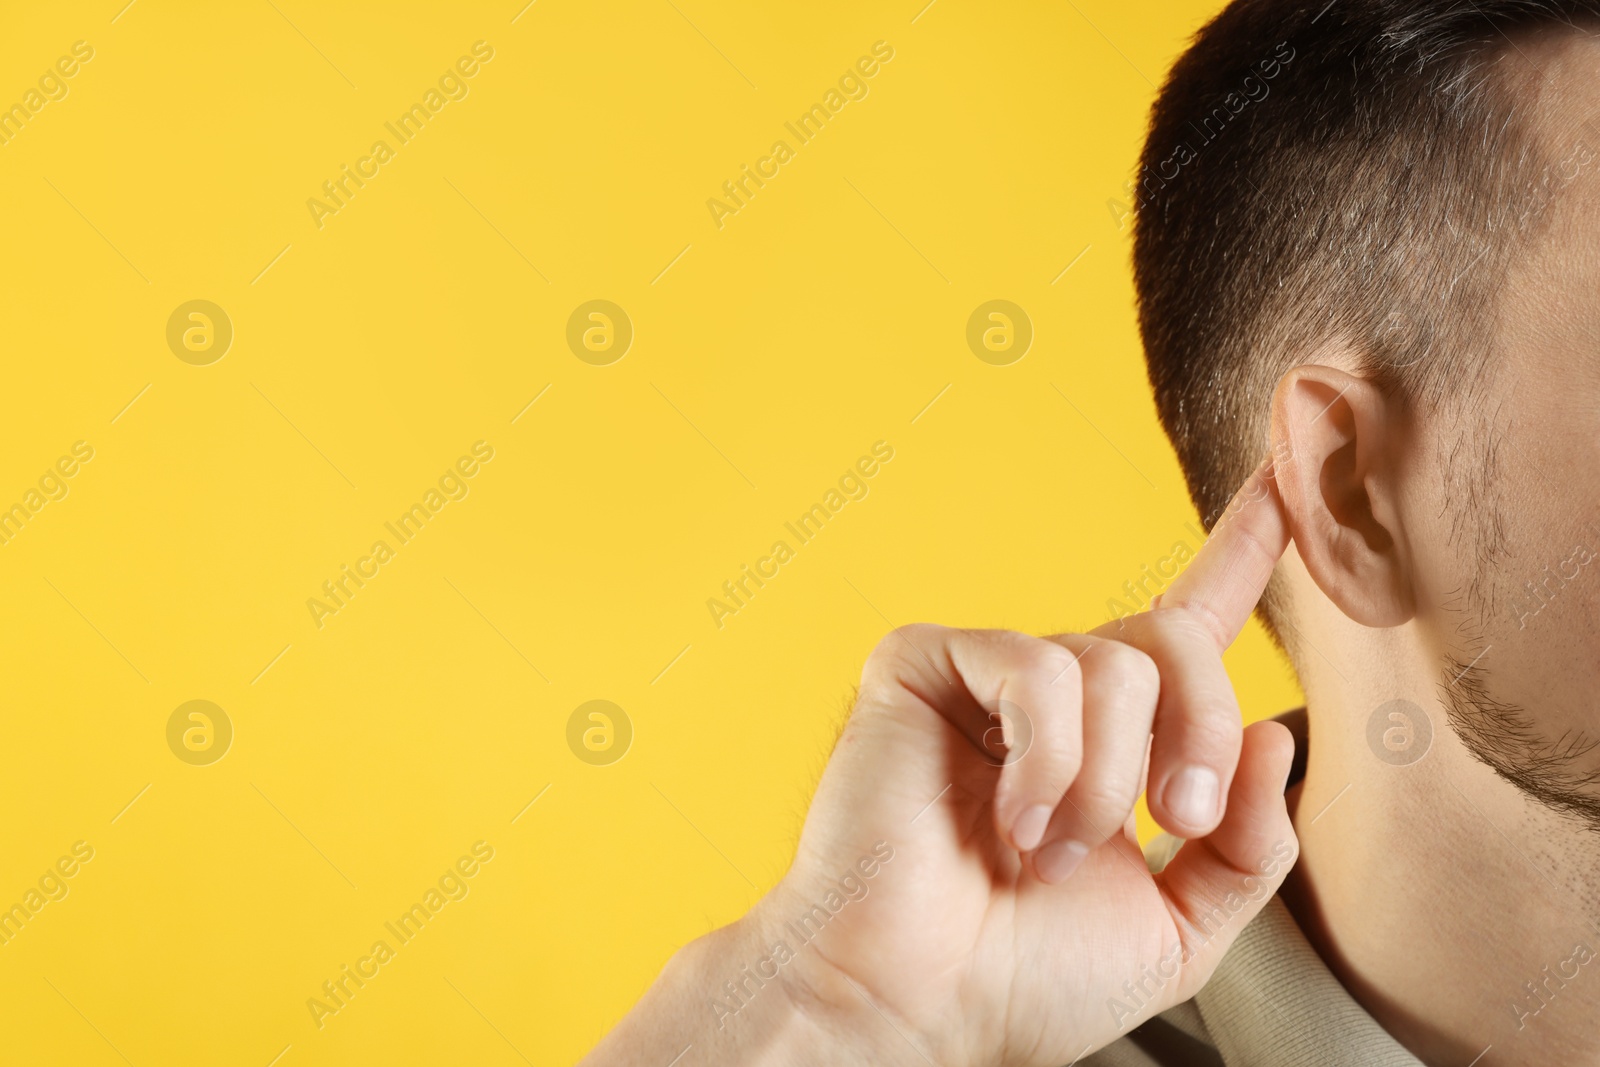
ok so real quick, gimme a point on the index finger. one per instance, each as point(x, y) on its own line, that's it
point(1230, 572)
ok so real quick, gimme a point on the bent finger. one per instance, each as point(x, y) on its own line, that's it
point(1120, 689)
point(1016, 697)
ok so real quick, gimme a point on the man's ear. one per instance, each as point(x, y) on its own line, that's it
point(1334, 437)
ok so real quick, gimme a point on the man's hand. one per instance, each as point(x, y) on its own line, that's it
point(968, 888)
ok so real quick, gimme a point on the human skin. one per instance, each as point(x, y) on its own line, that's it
point(987, 938)
point(1446, 899)
point(1435, 891)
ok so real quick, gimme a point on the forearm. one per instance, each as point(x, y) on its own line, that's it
point(727, 999)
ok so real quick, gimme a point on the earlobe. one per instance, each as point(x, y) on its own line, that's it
point(1333, 439)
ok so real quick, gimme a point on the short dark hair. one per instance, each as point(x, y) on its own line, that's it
point(1360, 171)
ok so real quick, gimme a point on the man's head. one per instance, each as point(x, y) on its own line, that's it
point(1368, 241)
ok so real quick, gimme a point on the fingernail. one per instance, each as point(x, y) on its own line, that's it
point(1192, 796)
point(1028, 830)
point(1057, 860)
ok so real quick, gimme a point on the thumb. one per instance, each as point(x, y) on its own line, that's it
point(1216, 884)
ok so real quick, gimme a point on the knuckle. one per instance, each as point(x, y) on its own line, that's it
point(1178, 625)
point(917, 631)
point(1063, 748)
point(1125, 628)
point(1014, 645)
point(1024, 656)
point(892, 647)
point(1054, 770)
point(1101, 798)
point(1051, 758)
point(874, 693)
point(1213, 732)
point(1205, 624)
point(1130, 669)
point(1055, 662)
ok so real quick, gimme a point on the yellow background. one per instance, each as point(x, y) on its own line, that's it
point(823, 317)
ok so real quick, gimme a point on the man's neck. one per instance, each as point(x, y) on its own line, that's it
point(1458, 912)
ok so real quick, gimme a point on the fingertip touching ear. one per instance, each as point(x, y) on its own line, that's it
point(1334, 441)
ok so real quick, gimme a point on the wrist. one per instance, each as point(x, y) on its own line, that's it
point(710, 1006)
point(771, 979)
point(750, 1005)
point(752, 993)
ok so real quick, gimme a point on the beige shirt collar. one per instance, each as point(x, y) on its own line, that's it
point(1273, 1001)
